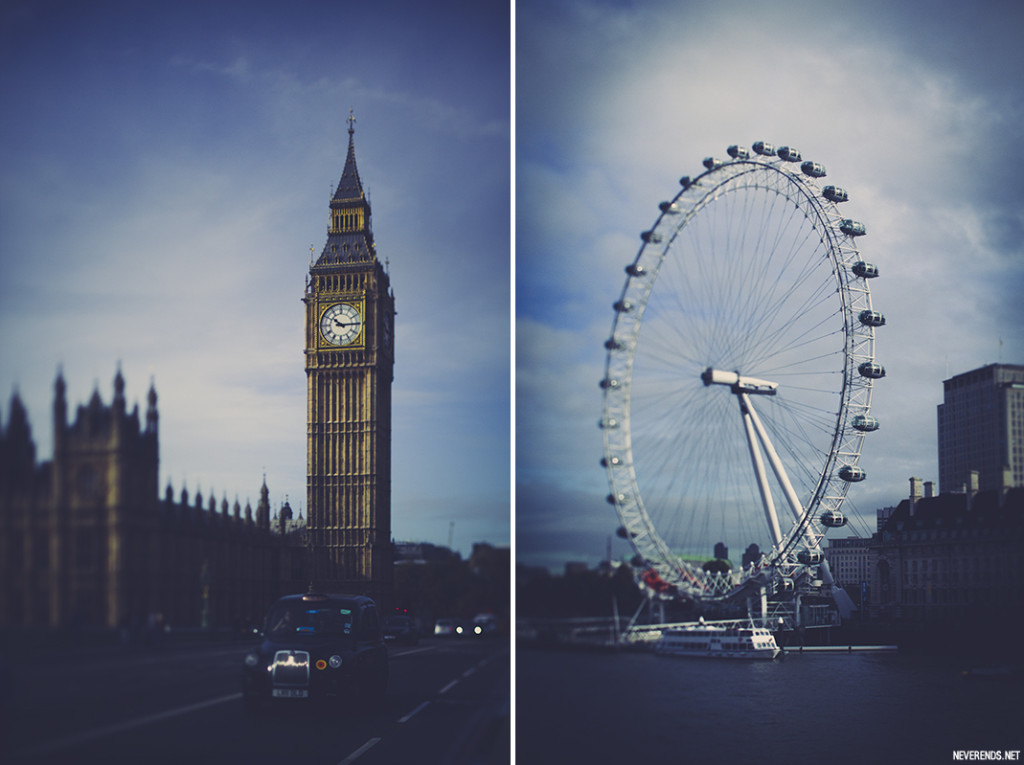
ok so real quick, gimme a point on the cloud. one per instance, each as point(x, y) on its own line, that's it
point(555, 525)
point(237, 68)
point(617, 102)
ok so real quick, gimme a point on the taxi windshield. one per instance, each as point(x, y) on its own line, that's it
point(297, 618)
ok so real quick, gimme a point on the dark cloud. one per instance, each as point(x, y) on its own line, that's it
point(555, 525)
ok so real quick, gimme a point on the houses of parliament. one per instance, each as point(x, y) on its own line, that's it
point(88, 539)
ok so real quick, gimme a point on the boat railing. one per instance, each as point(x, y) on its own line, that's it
point(646, 633)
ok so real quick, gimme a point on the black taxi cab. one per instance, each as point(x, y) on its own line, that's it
point(318, 647)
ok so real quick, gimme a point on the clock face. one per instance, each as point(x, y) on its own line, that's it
point(340, 324)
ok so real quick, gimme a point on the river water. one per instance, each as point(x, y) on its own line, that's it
point(825, 709)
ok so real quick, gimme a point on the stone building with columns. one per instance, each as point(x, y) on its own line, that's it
point(951, 558)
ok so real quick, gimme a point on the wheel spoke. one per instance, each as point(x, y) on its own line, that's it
point(748, 273)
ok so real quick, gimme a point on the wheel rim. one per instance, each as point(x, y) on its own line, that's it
point(749, 268)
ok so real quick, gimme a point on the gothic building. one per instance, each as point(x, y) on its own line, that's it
point(85, 538)
point(349, 355)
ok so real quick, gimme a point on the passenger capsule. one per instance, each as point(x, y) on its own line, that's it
point(789, 154)
point(738, 152)
point(872, 370)
point(613, 498)
point(852, 227)
point(607, 423)
point(651, 237)
point(813, 169)
point(764, 149)
point(609, 383)
point(809, 557)
point(833, 519)
point(865, 424)
point(712, 162)
point(612, 344)
point(614, 461)
point(635, 269)
point(669, 208)
point(835, 194)
point(685, 182)
point(871, 318)
point(622, 306)
point(852, 473)
point(865, 270)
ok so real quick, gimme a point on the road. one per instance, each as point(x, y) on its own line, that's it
point(447, 702)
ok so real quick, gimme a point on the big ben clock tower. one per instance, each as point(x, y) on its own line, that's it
point(350, 314)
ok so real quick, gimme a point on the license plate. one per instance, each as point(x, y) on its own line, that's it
point(289, 693)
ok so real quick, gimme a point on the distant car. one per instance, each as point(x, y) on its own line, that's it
point(448, 628)
point(485, 624)
point(318, 647)
point(401, 629)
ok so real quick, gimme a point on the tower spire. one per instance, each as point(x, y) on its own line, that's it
point(349, 234)
point(350, 188)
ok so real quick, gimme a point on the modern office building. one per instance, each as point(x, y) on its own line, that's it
point(981, 428)
point(848, 560)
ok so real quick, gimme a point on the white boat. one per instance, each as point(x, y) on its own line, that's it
point(718, 642)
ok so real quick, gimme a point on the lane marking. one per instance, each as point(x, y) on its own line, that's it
point(468, 673)
point(411, 651)
point(465, 674)
point(484, 662)
point(109, 730)
point(360, 751)
point(418, 709)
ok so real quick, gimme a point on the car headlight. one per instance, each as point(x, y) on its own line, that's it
point(458, 630)
point(334, 661)
point(478, 630)
point(252, 659)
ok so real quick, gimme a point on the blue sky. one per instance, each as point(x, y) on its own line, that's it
point(916, 108)
point(165, 171)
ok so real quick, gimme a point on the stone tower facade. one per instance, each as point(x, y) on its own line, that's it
point(349, 360)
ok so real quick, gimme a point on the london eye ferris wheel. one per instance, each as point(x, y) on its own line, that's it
point(738, 377)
